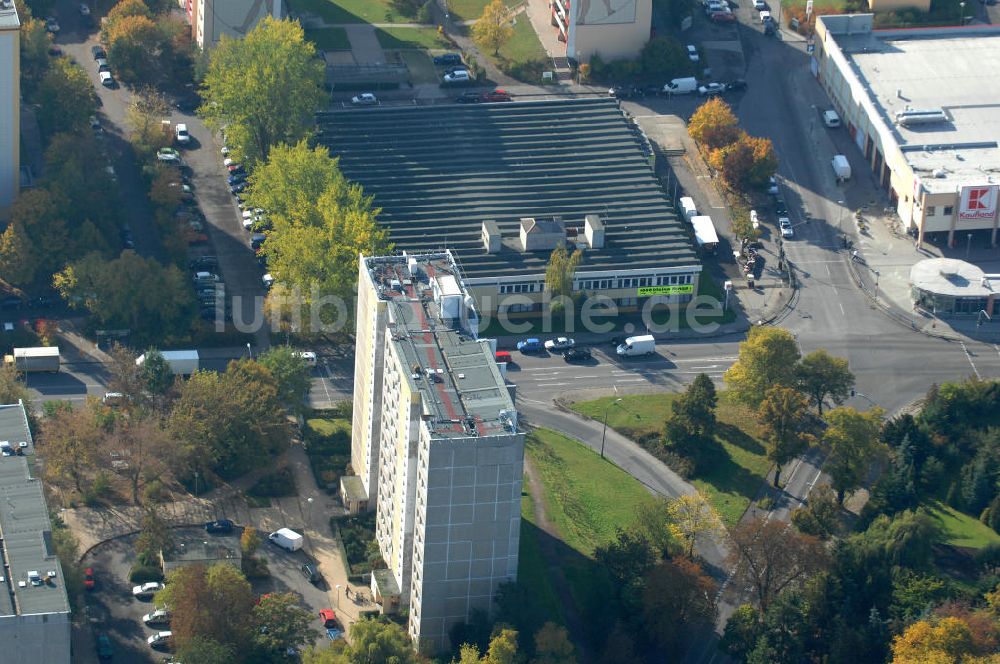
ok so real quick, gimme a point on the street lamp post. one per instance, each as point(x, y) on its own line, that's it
point(961, 19)
point(309, 510)
point(604, 433)
point(338, 595)
point(249, 352)
point(877, 275)
point(968, 245)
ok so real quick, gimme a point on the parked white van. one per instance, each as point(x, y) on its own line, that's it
point(681, 86)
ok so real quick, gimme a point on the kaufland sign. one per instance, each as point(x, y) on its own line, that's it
point(978, 202)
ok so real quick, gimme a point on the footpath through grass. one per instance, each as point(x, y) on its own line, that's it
point(734, 470)
point(962, 529)
point(587, 499)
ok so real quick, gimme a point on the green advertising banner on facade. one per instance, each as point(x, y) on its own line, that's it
point(646, 291)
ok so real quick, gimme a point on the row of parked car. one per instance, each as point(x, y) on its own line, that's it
point(255, 220)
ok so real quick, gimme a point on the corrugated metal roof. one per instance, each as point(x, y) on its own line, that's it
point(439, 172)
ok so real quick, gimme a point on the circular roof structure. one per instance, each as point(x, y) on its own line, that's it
point(949, 276)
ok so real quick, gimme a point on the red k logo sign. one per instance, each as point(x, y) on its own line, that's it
point(979, 202)
point(979, 198)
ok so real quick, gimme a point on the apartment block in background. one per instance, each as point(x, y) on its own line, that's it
point(10, 106)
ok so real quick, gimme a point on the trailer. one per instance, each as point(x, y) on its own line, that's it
point(30, 360)
point(181, 362)
point(704, 232)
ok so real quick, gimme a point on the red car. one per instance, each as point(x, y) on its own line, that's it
point(723, 17)
point(328, 617)
point(497, 95)
point(89, 582)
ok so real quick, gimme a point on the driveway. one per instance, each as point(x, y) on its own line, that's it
point(244, 289)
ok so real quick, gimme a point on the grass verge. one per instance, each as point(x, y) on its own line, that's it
point(329, 39)
point(735, 468)
point(962, 529)
point(411, 38)
point(327, 435)
point(350, 11)
point(470, 10)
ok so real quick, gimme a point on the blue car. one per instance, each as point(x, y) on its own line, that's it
point(530, 346)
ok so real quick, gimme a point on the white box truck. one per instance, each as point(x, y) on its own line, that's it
point(181, 362)
point(841, 167)
point(39, 358)
point(688, 208)
point(643, 344)
point(287, 539)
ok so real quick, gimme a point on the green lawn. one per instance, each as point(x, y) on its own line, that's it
point(420, 66)
point(587, 497)
point(532, 571)
point(470, 10)
point(734, 474)
point(329, 39)
point(962, 529)
point(327, 434)
point(410, 38)
point(350, 11)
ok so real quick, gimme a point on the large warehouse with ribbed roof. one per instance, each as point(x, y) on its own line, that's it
point(501, 185)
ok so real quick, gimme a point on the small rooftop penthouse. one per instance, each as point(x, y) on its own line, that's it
point(433, 326)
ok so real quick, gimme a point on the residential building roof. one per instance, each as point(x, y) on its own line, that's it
point(32, 578)
point(433, 330)
point(8, 16)
point(440, 172)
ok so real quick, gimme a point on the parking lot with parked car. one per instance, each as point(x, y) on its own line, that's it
point(129, 620)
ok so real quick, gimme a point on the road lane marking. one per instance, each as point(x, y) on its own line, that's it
point(968, 356)
point(842, 312)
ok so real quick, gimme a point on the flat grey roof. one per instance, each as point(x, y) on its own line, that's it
point(948, 69)
point(950, 276)
point(8, 16)
point(438, 172)
point(25, 530)
point(463, 392)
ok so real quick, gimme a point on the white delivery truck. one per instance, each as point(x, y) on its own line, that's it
point(181, 362)
point(287, 539)
point(688, 208)
point(841, 167)
point(643, 344)
point(39, 358)
point(704, 232)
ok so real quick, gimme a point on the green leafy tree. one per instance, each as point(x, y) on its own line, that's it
point(824, 377)
point(690, 427)
point(493, 29)
point(746, 163)
point(741, 632)
point(559, 274)
point(784, 415)
point(65, 98)
point(291, 373)
point(211, 603)
point(80, 193)
point(201, 650)
point(713, 125)
point(250, 541)
point(35, 44)
point(18, 261)
point(156, 373)
point(280, 624)
point(11, 389)
point(626, 558)
point(129, 292)
point(155, 535)
point(134, 47)
point(502, 650)
point(820, 516)
point(35, 211)
point(651, 523)
point(260, 104)
point(767, 359)
point(372, 641)
point(664, 58)
point(852, 444)
point(321, 221)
